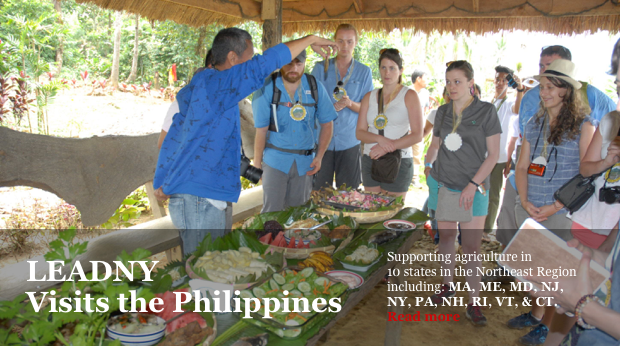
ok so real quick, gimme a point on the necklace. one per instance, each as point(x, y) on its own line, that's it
point(453, 140)
point(339, 90)
point(393, 95)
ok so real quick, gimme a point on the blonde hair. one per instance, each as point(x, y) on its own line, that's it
point(347, 26)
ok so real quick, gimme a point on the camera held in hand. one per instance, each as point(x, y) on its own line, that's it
point(609, 195)
point(248, 171)
point(511, 81)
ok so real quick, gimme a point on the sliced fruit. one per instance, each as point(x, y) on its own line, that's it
point(274, 285)
point(304, 287)
point(266, 239)
point(258, 292)
point(291, 243)
point(278, 239)
point(306, 272)
point(246, 294)
point(288, 287)
point(279, 279)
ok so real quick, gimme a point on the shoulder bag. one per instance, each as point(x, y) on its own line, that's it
point(576, 192)
point(385, 169)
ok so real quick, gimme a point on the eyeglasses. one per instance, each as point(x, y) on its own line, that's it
point(389, 50)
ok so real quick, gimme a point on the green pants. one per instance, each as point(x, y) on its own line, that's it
point(497, 183)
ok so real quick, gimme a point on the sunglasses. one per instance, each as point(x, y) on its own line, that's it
point(389, 50)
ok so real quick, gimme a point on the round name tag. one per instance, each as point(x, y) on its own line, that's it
point(453, 141)
point(339, 92)
point(540, 161)
point(298, 112)
point(380, 122)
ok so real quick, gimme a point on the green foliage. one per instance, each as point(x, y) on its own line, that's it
point(131, 208)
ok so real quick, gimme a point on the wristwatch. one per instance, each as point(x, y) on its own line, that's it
point(521, 90)
point(480, 187)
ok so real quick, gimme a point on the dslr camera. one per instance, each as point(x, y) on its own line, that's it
point(609, 195)
point(248, 171)
point(511, 81)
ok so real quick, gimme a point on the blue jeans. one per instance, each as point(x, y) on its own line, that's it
point(196, 217)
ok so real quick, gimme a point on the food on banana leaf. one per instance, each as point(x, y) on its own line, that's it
point(363, 254)
point(340, 232)
point(230, 265)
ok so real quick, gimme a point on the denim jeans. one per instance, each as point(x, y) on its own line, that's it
point(196, 217)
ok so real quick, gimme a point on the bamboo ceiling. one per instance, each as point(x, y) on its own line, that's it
point(479, 16)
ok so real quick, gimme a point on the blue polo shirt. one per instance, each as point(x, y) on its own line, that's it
point(202, 151)
point(600, 104)
point(296, 135)
point(359, 84)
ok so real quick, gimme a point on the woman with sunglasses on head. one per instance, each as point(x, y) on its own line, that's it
point(554, 142)
point(457, 163)
point(387, 115)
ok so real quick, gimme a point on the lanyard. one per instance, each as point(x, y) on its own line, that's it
point(543, 153)
point(342, 83)
point(457, 118)
point(501, 104)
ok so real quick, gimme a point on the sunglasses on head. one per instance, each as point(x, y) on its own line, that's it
point(389, 50)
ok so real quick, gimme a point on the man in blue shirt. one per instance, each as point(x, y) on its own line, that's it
point(287, 152)
point(599, 103)
point(347, 81)
point(199, 161)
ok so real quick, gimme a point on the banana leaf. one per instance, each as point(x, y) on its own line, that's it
point(284, 217)
point(340, 255)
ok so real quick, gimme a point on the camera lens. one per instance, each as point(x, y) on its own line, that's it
point(611, 197)
point(253, 174)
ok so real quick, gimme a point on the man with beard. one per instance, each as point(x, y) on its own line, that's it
point(286, 132)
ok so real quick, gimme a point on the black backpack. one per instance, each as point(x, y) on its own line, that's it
point(277, 93)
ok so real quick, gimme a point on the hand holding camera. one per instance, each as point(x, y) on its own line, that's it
point(514, 81)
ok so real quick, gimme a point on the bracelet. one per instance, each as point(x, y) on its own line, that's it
point(429, 165)
point(473, 182)
point(579, 309)
point(521, 90)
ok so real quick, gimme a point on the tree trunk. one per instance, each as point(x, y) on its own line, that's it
point(59, 49)
point(201, 48)
point(118, 23)
point(134, 63)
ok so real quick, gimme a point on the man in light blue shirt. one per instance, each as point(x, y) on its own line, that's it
point(287, 153)
point(347, 81)
point(599, 103)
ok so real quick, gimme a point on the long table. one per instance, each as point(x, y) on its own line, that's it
point(372, 277)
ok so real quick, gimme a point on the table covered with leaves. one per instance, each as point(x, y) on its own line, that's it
point(372, 277)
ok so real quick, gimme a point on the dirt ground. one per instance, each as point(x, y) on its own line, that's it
point(74, 114)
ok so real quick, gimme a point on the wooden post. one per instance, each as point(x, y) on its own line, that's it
point(271, 13)
point(393, 328)
point(156, 206)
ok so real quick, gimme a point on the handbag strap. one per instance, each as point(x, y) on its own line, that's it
point(380, 106)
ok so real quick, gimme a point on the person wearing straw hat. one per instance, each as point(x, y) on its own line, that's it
point(554, 142)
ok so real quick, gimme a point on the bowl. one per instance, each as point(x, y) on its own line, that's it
point(145, 339)
point(288, 234)
point(399, 225)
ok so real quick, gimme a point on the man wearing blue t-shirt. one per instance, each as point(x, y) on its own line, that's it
point(288, 138)
point(347, 81)
point(199, 161)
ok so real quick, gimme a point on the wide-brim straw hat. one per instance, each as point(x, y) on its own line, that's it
point(562, 69)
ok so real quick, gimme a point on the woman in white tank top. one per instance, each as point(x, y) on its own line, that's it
point(401, 122)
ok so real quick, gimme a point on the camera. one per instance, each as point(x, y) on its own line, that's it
point(609, 195)
point(248, 171)
point(511, 81)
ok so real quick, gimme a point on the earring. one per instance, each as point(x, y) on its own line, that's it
point(471, 90)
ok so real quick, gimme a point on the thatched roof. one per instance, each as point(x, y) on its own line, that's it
point(553, 16)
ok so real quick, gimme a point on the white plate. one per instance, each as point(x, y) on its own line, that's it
point(360, 268)
point(387, 224)
point(339, 274)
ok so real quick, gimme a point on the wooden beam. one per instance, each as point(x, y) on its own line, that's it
point(272, 28)
point(359, 6)
point(476, 6)
point(268, 10)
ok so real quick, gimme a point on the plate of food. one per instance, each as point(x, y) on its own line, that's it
point(359, 257)
point(303, 234)
point(350, 278)
point(399, 225)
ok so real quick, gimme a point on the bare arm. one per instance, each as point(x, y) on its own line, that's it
point(160, 141)
point(320, 45)
point(511, 148)
point(259, 146)
point(517, 105)
point(491, 160)
point(428, 127)
point(431, 154)
point(602, 318)
point(354, 106)
point(523, 163)
point(361, 131)
point(592, 162)
point(415, 121)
